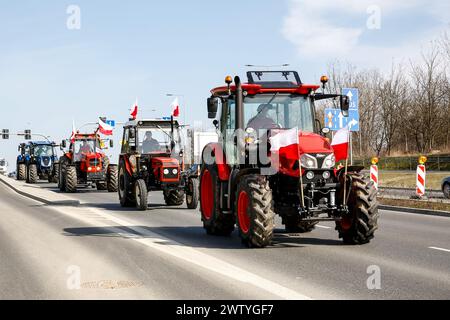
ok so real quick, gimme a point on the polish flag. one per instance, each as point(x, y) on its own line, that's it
point(105, 128)
point(74, 132)
point(286, 144)
point(175, 108)
point(134, 110)
point(340, 144)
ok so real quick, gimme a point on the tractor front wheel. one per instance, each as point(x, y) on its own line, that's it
point(215, 222)
point(174, 197)
point(254, 211)
point(192, 194)
point(112, 176)
point(21, 172)
point(32, 176)
point(141, 195)
point(126, 196)
point(71, 179)
point(359, 227)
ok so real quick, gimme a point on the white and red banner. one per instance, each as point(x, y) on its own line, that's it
point(374, 175)
point(74, 132)
point(134, 110)
point(105, 128)
point(421, 173)
point(340, 144)
point(286, 142)
point(175, 106)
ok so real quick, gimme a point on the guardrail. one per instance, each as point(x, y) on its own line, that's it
point(434, 163)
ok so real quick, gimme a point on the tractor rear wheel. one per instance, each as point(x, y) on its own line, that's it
point(192, 194)
point(55, 173)
point(71, 179)
point(254, 211)
point(21, 172)
point(32, 176)
point(215, 222)
point(446, 190)
point(141, 195)
point(174, 197)
point(359, 227)
point(125, 187)
point(112, 177)
point(62, 174)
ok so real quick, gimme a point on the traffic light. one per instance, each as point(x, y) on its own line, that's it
point(5, 134)
point(27, 134)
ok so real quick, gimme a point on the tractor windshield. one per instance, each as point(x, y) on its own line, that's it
point(156, 139)
point(43, 151)
point(270, 111)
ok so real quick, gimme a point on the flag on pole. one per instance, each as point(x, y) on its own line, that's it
point(74, 132)
point(105, 128)
point(175, 108)
point(340, 144)
point(286, 143)
point(134, 110)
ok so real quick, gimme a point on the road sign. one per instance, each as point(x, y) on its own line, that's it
point(353, 95)
point(5, 134)
point(27, 134)
point(335, 120)
point(112, 123)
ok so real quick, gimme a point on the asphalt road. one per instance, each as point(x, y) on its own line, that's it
point(164, 253)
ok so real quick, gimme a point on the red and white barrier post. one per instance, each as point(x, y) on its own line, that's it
point(374, 172)
point(421, 177)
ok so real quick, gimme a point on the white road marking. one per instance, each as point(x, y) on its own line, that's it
point(440, 249)
point(323, 227)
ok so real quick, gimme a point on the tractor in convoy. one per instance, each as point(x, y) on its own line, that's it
point(37, 160)
point(245, 182)
point(86, 164)
point(3, 167)
point(151, 159)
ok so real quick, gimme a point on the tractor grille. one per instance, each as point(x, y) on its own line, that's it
point(45, 161)
point(94, 162)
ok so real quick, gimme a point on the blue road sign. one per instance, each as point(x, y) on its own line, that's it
point(353, 95)
point(335, 120)
point(112, 123)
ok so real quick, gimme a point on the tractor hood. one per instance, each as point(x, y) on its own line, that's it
point(286, 161)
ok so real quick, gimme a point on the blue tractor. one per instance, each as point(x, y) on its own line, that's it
point(37, 160)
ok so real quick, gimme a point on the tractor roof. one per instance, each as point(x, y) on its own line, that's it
point(151, 123)
point(41, 143)
point(86, 136)
point(270, 82)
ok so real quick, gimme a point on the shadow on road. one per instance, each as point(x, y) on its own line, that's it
point(193, 236)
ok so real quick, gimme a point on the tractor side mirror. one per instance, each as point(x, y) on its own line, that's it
point(63, 144)
point(216, 124)
point(111, 143)
point(345, 105)
point(213, 106)
point(172, 145)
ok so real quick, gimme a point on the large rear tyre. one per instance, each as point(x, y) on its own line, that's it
point(359, 227)
point(254, 211)
point(126, 195)
point(174, 197)
point(71, 179)
point(32, 176)
point(62, 174)
point(192, 194)
point(112, 178)
point(446, 190)
point(55, 173)
point(215, 222)
point(21, 172)
point(141, 195)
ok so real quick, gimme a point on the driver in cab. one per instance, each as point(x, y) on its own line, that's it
point(262, 120)
point(149, 144)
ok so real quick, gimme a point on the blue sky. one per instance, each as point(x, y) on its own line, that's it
point(50, 75)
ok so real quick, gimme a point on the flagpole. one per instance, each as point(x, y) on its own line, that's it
point(302, 194)
point(346, 171)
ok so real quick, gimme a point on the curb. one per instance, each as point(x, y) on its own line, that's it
point(416, 211)
point(73, 203)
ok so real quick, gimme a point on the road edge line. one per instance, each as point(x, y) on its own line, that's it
point(424, 212)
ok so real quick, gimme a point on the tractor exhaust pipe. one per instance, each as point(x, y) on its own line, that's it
point(239, 104)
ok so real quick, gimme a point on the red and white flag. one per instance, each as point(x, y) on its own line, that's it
point(175, 108)
point(74, 132)
point(286, 143)
point(134, 110)
point(340, 144)
point(105, 128)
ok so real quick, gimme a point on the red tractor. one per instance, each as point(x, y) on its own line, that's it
point(242, 182)
point(152, 160)
point(86, 164)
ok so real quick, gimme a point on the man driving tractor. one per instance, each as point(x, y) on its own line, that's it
point(262, 120)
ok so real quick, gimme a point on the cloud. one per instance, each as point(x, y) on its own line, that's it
point(333, 29)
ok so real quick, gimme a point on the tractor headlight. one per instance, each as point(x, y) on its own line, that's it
point(166, 171)
point(329, 162)
point(309, 162)
point(175, 171)
point(251, 136)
